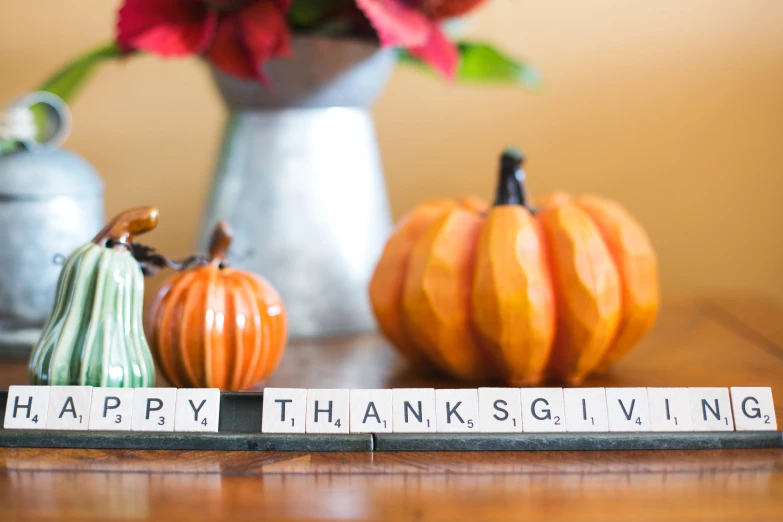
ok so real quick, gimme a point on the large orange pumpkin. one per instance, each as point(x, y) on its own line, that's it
point(511, 291)
point(217, 327)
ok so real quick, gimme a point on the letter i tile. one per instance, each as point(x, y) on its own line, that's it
point(585, 409)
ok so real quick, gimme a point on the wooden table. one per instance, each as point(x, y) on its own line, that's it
point(706, 341)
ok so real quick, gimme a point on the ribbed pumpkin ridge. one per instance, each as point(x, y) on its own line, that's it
point(216, 326)
point(523, 292)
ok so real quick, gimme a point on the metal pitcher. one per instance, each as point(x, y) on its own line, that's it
point(300, 180)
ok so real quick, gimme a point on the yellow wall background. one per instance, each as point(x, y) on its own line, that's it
point(675, 108)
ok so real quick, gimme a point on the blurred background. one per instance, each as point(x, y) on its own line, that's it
point(673, 108)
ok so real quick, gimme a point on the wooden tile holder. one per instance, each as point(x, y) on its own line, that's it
point(240, 430)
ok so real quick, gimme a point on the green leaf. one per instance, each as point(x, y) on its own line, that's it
point(328, 17)
point(67, 81)
point(482, 63)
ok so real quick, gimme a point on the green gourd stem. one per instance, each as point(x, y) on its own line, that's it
point(128, 224)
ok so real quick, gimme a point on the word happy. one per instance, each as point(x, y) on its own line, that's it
point(403, 410)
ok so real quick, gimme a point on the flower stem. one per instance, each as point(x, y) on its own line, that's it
point(67, 81)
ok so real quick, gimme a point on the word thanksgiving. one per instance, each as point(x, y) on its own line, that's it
point(403, 410)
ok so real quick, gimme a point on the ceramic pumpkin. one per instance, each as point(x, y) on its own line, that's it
point(94, 335)
point(214, 326)
point(513, 291)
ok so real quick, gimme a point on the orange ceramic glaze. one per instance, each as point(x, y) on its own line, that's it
point(217, 327)
point(516, 291)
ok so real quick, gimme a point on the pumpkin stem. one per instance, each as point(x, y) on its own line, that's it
point(220, 241)
point(125, 225)
point(511, 183)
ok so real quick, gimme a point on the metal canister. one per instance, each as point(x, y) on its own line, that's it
point(51, 202)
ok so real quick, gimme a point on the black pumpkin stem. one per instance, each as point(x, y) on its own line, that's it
point(151, 261)
point(511, 184)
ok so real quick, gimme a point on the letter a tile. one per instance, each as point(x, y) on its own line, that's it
point(69, 408)
point(371, 411)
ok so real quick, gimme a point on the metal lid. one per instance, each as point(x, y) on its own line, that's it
point(25, 175)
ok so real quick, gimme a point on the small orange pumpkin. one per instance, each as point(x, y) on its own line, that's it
point(516, 292)
point(217, 327)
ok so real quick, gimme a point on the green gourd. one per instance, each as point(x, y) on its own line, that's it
point(94, 335)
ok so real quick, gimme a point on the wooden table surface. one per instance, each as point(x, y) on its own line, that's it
point(698, 341)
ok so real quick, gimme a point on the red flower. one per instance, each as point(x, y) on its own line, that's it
point(236, 41)
point(414, 25)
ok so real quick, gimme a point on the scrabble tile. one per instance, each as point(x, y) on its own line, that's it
point(371, 411)
point(543, 410)
point(69, 408)
point(500, 410)
point(585, 409)
point(328, 411)
point(284, 410)
point(627, 409)
point(670, 409)
point(753, 409)
point(710, 409)
point(27, 407)
point(111, 409)
point(198, 409)
point(456, 411)
point(413, 410)
point(153, 409)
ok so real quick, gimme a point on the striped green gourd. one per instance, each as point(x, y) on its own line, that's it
point(94, 335)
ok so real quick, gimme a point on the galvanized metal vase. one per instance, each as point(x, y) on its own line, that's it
point(300, 182)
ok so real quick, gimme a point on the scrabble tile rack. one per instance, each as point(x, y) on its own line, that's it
point(240, 430)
